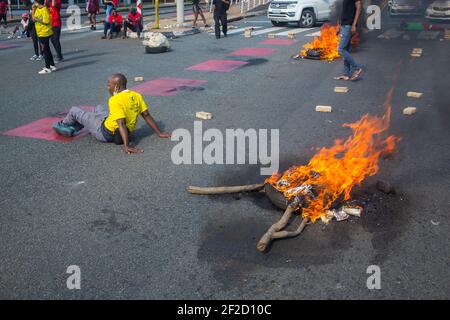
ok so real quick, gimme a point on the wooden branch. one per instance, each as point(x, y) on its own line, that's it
point(290, 234)
point(221, 190)
point(268, 236)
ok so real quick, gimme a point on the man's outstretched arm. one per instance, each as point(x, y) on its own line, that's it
point(124, 133)
point(152, 124)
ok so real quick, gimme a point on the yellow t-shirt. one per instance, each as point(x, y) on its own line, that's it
point(126, 105)
point(43, 29)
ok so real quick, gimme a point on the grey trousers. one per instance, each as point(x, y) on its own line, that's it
point(92, 121)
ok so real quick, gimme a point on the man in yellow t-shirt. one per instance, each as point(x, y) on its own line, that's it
point(44, 31)
point(113, 125)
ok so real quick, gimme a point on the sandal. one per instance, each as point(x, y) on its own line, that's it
point(356, 74)
point(345, 78)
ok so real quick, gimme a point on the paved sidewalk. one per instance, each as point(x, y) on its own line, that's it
point(169, 26)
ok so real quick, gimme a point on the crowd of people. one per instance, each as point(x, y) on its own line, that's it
point(42, 23)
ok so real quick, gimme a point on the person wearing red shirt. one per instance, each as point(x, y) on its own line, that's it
point(134, 22)
point(54, 6)
point(114, 24)
point(4, 4)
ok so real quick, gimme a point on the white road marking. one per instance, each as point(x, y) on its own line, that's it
point(268, 30)
point(294, 31)
point(234, 31)
point(314, 34)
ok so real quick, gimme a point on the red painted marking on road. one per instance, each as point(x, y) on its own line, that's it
point(41, 129)
point(8, 46)
point(278, 42)
point(165, 87)
point(254, 52)
point(217, 65)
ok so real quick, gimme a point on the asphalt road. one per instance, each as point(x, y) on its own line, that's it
point(135, 232)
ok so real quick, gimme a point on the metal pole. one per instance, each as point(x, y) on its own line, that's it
point(180, 11)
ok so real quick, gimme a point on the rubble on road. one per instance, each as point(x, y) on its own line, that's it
point(413, 94)
point(324, 108)
point(409, 111)
point(203, 115)
point(341, 89)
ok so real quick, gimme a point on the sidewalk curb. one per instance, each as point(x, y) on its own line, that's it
point(119, 9)
point(171, 34)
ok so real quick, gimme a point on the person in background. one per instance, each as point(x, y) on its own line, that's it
point(4, 7)
point(54, 7)
point(93, 8)
point(134, 22)
point(114, 124)
point(220, 16)
point(43, 25)
point(351, 11)
point(197, 11)
point(38, 52)
point(24, 23)
point(114, 24)
point(109, 6)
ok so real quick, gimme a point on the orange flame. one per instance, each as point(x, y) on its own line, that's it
point(334, 171)
point(327, 43)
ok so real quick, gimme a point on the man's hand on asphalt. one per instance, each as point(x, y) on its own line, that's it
point(130, 150)
point(164, 135)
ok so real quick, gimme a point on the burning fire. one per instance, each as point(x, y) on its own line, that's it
point(326, 44)
point(333, 172)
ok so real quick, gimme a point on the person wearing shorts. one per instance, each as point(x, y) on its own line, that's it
point(197, 11)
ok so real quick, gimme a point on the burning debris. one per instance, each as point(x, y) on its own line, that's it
point(321, 189)
point(324, 47)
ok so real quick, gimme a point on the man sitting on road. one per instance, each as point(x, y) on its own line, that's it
point(134, 22)
point(114, 24)
point(113, 125)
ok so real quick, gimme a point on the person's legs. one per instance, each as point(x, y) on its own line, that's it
point(117, 28)
point(200, 12)
point(3, 18)
point(224, 22)
point(195, 10)
point(36, 47)
point(92, 121)
point(125, 28)
point(138, 29)
point(106, 28)
point(94, 21)
point(56, 42)
point(217, 25)
point(344, 42)
point(45, 43)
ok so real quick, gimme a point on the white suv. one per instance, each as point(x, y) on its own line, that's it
point(439, 10)
point(303, 12)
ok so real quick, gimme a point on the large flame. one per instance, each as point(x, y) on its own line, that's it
point(334, 171)
point(326, 43)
